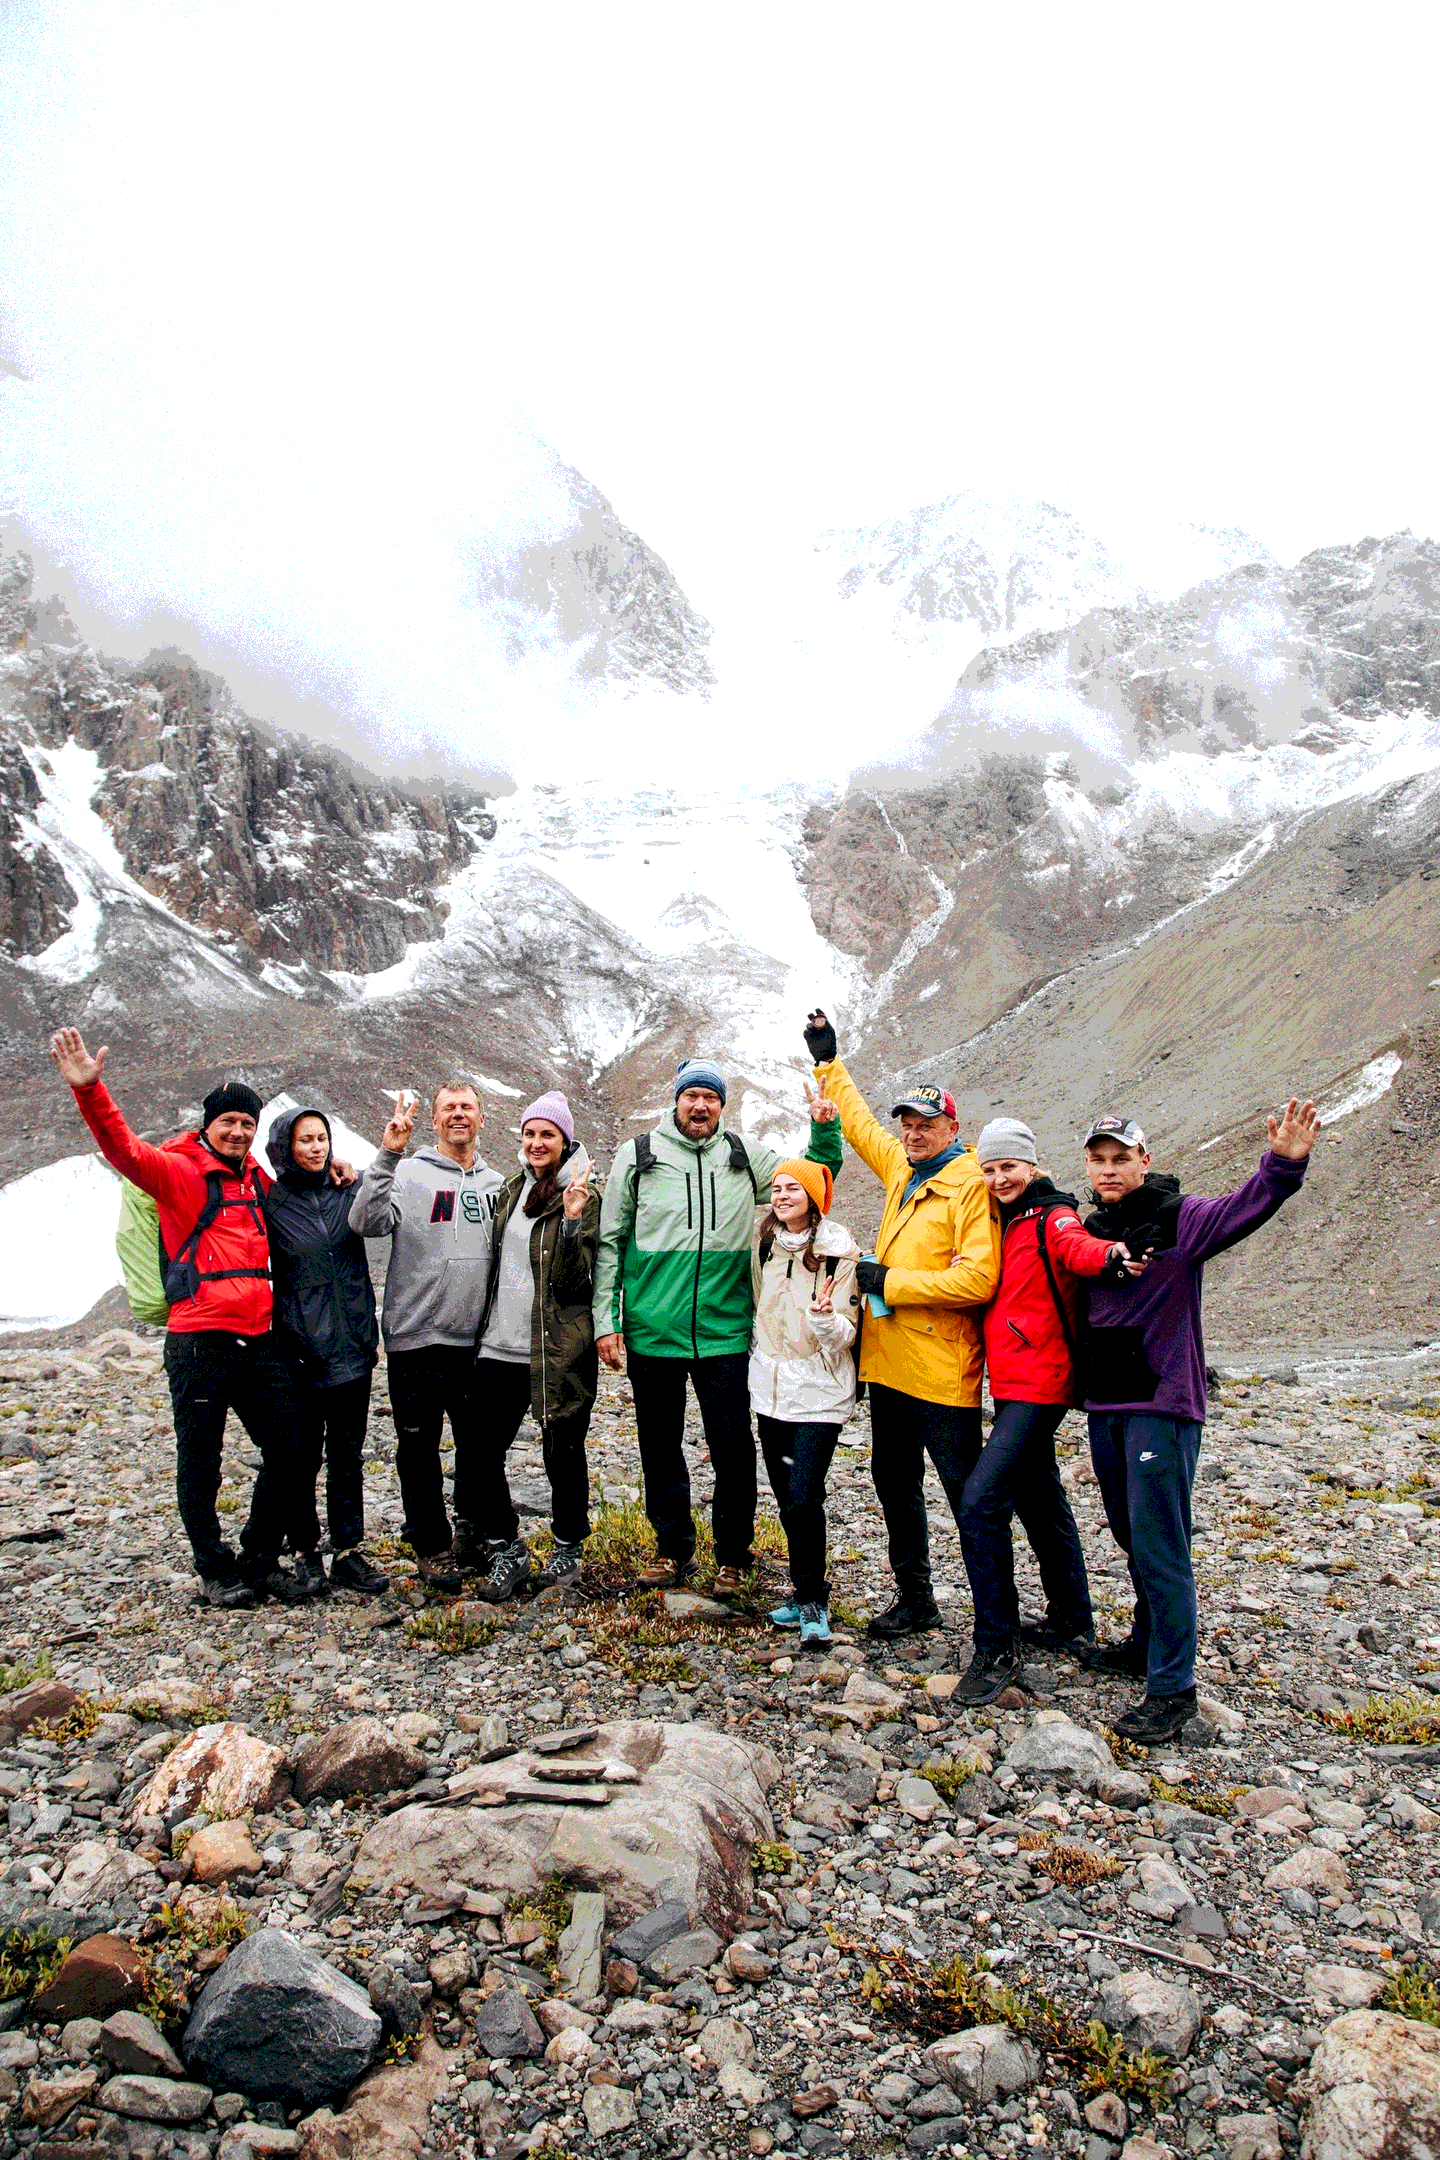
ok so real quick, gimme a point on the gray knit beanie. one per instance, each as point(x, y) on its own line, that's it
point(1005, 1139)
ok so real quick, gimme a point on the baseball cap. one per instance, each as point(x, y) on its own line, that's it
point(1123, 1129)
point(929, 1101)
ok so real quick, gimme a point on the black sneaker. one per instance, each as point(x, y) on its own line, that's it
point(907, 1616)
point(1157, 1718)
point(1128, 1657)
point(470, 1552)
point(1067, 1641)
point(308, 1573)
point(510, 1566)
point(226, 1590)
point(353, 1570)
point(269, 1580)
point(437, 1571)
point(989, 1673)
point(566, 1562)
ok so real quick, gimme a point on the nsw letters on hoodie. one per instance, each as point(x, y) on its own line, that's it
point(438, 1218)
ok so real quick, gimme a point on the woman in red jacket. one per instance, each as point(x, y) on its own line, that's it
point(1028, 1352)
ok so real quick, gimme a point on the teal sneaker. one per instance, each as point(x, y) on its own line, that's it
point(815, 1627)
point(785, 1615)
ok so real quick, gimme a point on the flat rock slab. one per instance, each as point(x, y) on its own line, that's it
point(684, 1828)
point(154, 2099)
point(694, 1951)
point(129, 2041)
point(277, 2022)
point(1054, 1748)
point(986, 2063)
point(1151, 2013)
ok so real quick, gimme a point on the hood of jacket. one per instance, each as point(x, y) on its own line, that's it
point(830, 1238)
point(277, 1147)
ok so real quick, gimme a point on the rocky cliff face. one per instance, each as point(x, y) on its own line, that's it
point(603, 589)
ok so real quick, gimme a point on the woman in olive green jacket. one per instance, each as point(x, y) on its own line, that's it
point(535, 1350)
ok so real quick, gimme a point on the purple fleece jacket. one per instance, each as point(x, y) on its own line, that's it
point(1164, 1302)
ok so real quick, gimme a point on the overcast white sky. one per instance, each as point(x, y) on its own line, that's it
point(296, 287)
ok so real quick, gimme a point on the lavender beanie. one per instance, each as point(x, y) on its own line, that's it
point(554, 1108)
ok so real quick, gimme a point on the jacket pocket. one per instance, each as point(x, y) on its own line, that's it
point(1116, 1367)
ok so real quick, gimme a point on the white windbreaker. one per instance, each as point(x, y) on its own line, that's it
point(801, 1369)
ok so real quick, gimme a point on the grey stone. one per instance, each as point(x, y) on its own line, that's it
point(578, 1952)
point(401, 2010)
point(1374, 2089)
point(694, 1951)
point(153, 2099)
point(724, 2040)
point(608, 2108)
point(505, 2027)
point(131, 2042)
point(359, 1756)
point(645, 1936)
point(1054, 1748)
point(1202, 1923)
point(986, 2063)
point(944, 2130)
point(1148, 2012)
point(81, 2037)
point(278, 2022)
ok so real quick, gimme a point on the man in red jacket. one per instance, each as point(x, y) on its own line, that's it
point(1030, 1334)
point(219, 1352)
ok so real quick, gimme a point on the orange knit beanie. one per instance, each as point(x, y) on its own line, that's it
point(814, 1176)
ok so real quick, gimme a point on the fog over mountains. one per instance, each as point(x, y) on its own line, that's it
point(1155, 824)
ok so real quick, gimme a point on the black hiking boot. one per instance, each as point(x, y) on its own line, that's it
point(355, 1570)
point(269, 1580)
point(990, 1673)
point(1157, 1718)
point(1065, 1641)
point(565, 1564)
point(1127, 1657)
point(226, 1590)
point(308, 1574)
point(510, 1566)
point(907, 1616)
point(470, 1552)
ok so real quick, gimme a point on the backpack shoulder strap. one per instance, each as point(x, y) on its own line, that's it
point(214, 1201)
point(740, 1159)
point(644, 1160)
point(1062, 1310)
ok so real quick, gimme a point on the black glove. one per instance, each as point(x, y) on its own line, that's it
point(870, 1278)
point(1115, 1267)
point(819, 1039)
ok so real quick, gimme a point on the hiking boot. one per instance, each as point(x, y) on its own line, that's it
point(1128, 1657)
point(815, 1627)
point(787, 1615)
point(730, 1582)
point(510, 1566)
point(663, 1574)
point(269, 1580)
point(1067, 1641)
point(907, 1616)
point(354, 1570)
point(227, 1590)
point(308, 1574)
point(437, 1571)
point(1157, 1718)
point(470, 1552)
point(989, 1673)
point(566, 1562)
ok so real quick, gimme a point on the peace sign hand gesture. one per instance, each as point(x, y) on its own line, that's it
point(824, 1299)
point(577, 1192)
point(396, 1136)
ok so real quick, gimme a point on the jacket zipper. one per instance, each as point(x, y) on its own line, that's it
point(544, 1388)
point(699, 1249)
point(714, 1205)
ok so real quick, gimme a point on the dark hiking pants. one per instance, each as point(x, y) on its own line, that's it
point(426, 1387)
point(1017, 1474)
point(722, 1390)
point(797, 1462)
point(1146, 1469)
point(904, 1429)
point(502, 1397)
point(212, 1373)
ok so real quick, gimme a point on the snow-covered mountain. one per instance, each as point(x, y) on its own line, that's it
point(1098, 794)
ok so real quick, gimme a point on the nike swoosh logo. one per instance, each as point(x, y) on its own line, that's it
point(1148, 1455)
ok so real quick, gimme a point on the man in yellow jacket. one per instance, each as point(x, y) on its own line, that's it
point(936, 1267)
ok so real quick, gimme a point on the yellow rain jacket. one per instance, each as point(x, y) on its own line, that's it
point(942, 1253)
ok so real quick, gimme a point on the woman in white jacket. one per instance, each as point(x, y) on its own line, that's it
point(802, 1375)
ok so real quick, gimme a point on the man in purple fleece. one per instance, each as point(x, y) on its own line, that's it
point(1145, 1386)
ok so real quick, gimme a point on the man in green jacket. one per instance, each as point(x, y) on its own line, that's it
point(673, 1300)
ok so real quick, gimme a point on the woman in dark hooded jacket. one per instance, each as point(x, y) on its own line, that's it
point(325, 1320)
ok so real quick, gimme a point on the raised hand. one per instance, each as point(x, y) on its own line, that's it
point(396, 1136)
point(577, 1192)
point(819, 1038)
point(824, 1298)
point(822, 1110)
point(1294, 1134)
point(77, 1067)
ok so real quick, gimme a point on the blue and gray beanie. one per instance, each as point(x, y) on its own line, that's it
point(699, 1072)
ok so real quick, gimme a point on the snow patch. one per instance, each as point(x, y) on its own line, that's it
point(57, 1243)
point(345, 1142)
point(1373, 1080)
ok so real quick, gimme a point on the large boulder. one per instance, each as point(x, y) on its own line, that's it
point(683, 1827)
point(221, 1771)
point(278, 2023)
point(357, 1757)
point(1373, 2088)
point(1054, 1748)
point(388, 2114)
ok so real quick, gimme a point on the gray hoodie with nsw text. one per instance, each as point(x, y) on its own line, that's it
point(438, 1218)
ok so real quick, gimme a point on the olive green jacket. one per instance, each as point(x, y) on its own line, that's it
point(564, 1370)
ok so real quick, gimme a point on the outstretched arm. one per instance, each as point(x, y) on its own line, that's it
point(1208, 1227)
point(163, 1176)
point(879, 1150)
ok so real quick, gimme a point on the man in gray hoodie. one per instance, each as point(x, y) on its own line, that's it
point(437, 1208)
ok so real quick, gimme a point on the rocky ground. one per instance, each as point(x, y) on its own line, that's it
point(358, 1811)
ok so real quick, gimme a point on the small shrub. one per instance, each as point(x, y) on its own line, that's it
point(24, 1670)
point(1412, 1719)
point(29, 1962)
point(947, 1775)
point(1076, 1869)
point(451, 1628)
point(771, 1857)
point(1412, 1993)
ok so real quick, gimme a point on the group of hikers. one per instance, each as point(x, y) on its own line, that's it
point(504, 1293)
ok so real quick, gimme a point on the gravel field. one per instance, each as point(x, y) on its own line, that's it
point(1221, 1903)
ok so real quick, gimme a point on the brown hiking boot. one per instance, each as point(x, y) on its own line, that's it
point(437, 1571)
point(662, 1574)
point(729, 1582)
